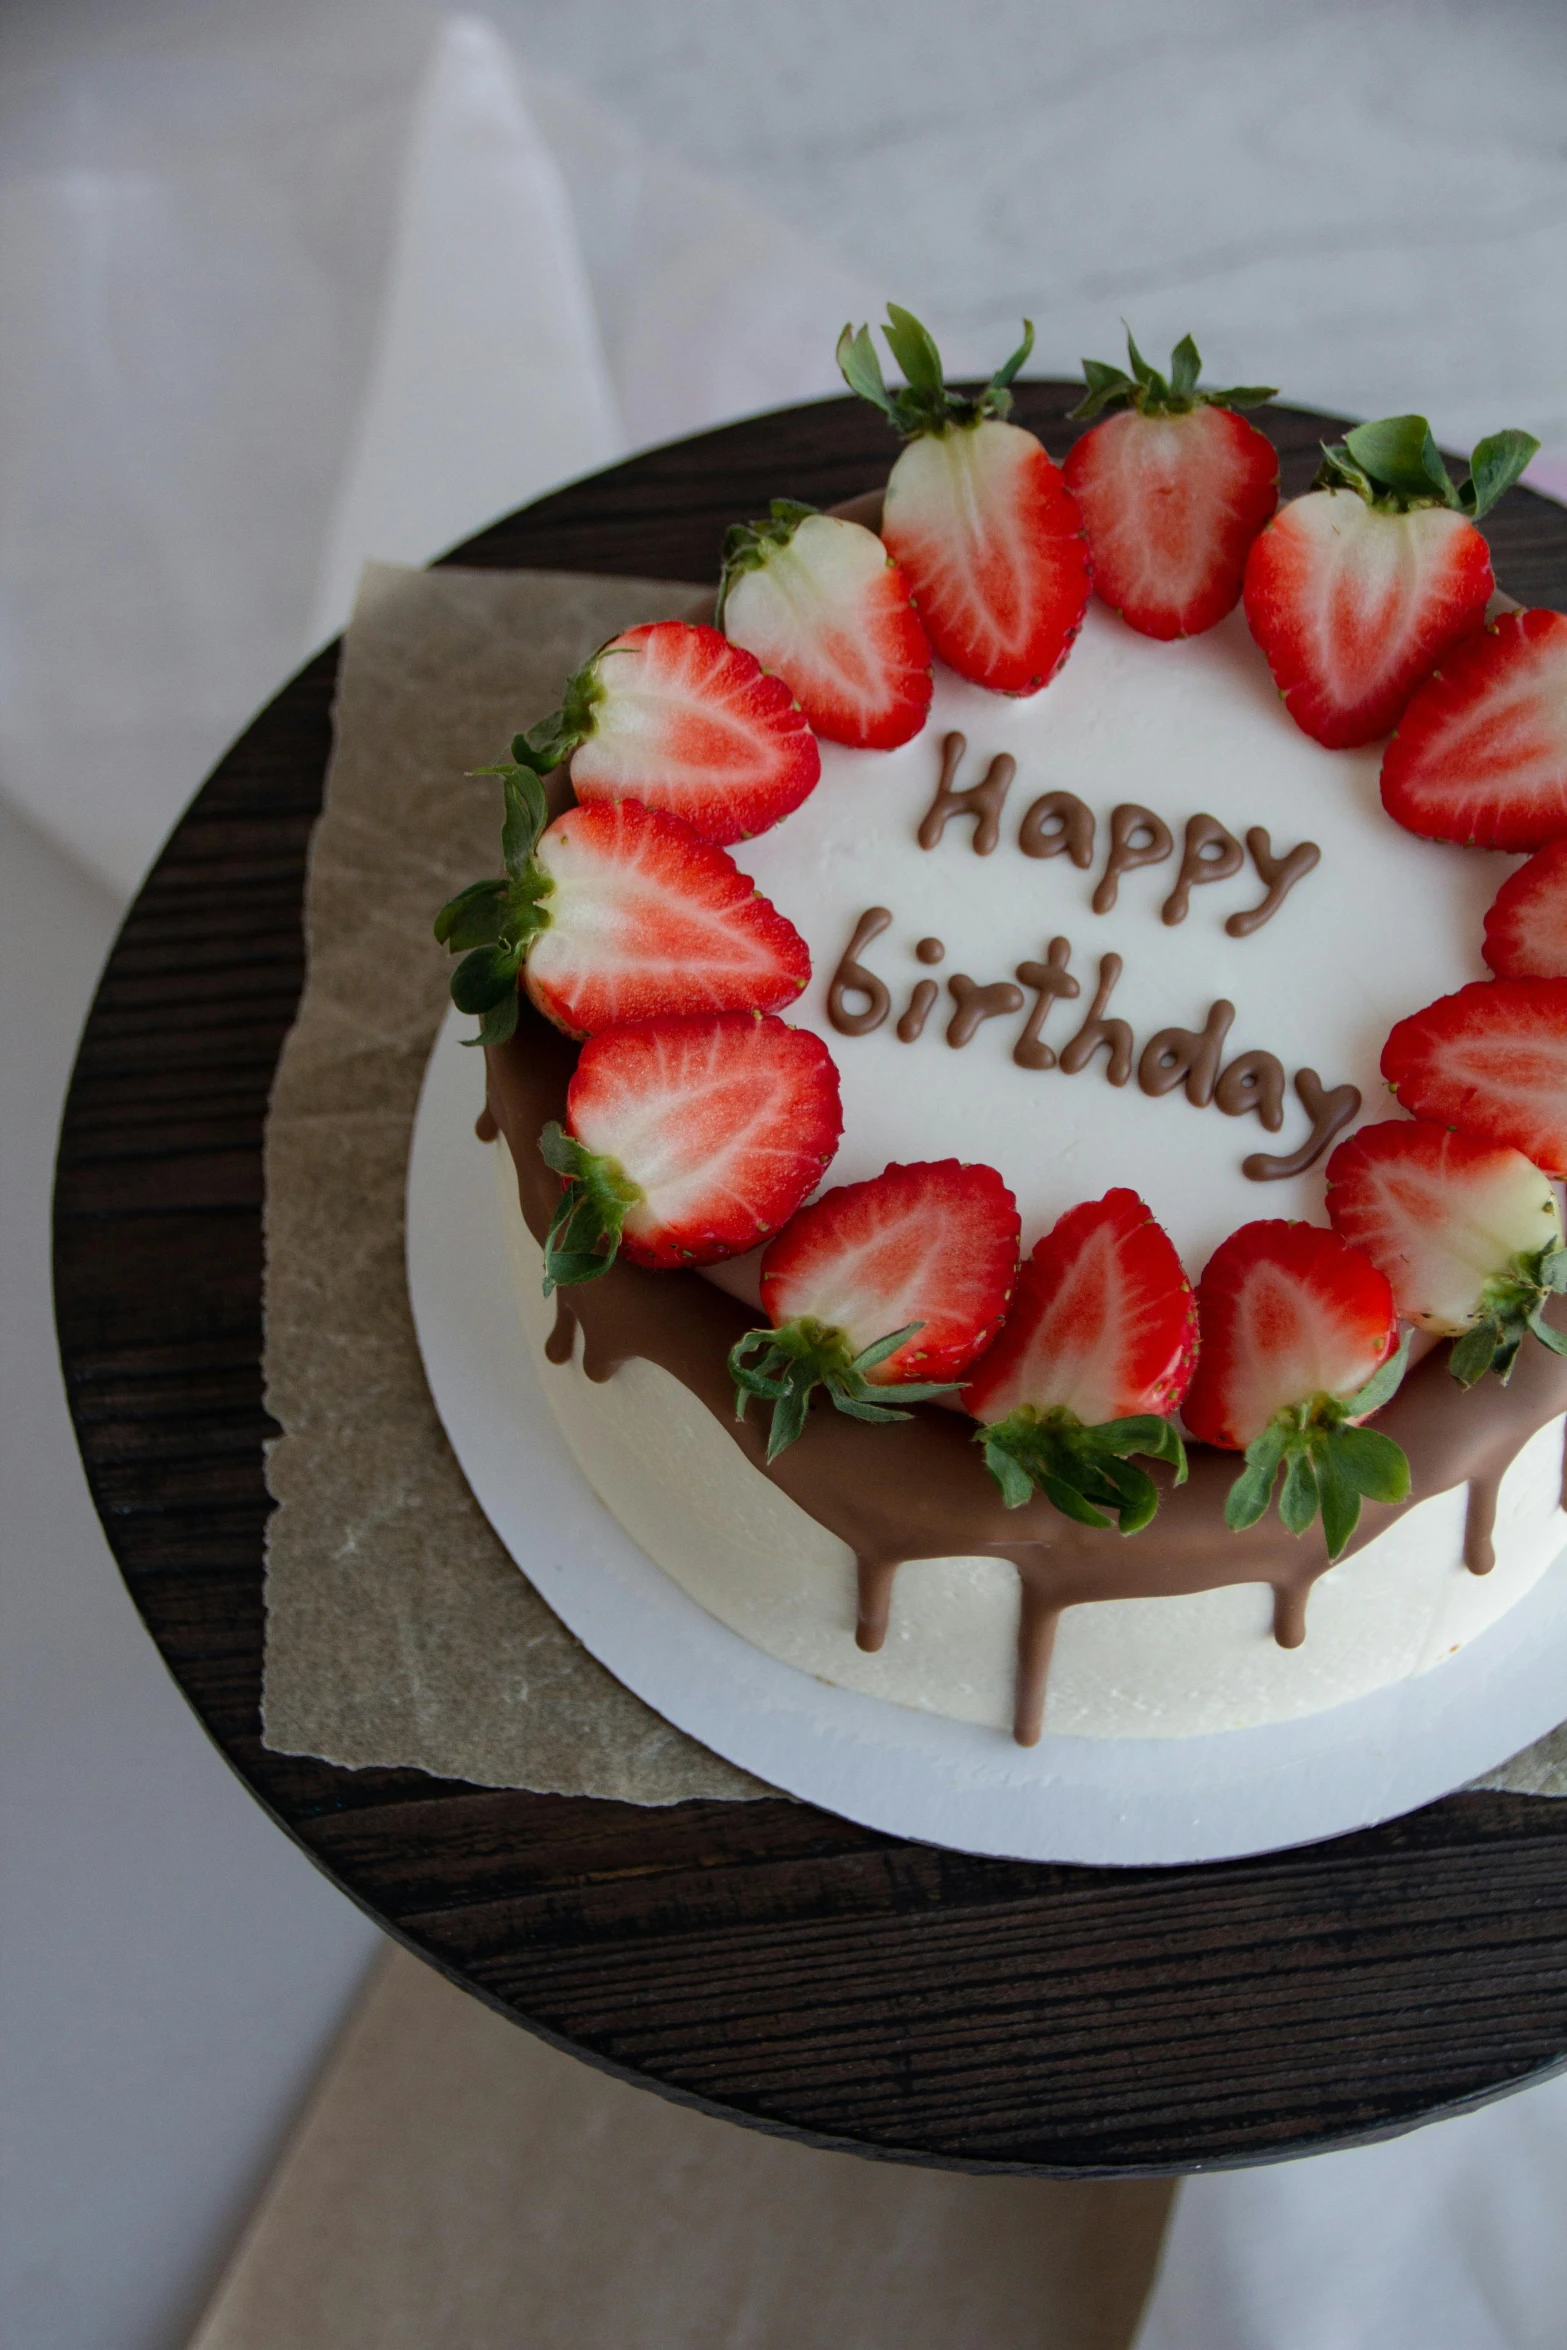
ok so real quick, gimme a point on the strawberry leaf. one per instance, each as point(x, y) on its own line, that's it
point(1299, 1496)
point(1494, 465)
point(800, 1356)
point(1400, 454)
point(922, 404)
point(1471, 1356)
point(1336, 1491)
point(1382, 1385)
point(1152, 394)
point(860, 368)
point(1372, 1463)
point(484, 978)
point(584, 1234)
point(1084, 1471)
point(914, 350)
point(475, 917)
point(1249, 1496)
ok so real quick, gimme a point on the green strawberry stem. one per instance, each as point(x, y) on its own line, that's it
point(801, 1356)
point(1511, 1305)
point(1153, 394)
point(1327, 1463)
point(922, 404)
point(1396, 467)
point(497, 921)
point(1084, 1471)
point(584, 1234)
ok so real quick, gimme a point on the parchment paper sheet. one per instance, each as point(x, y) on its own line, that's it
point(399, 1631)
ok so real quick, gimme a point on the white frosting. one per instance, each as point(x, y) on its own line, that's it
point(1383, 925)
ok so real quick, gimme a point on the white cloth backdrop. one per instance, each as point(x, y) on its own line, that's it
point(287, 286)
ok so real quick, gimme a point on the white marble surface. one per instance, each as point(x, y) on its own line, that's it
point(209, 212)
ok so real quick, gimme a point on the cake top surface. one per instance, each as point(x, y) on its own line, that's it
point(1381, 921)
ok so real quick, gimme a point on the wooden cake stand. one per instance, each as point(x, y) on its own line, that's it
point(765, 1961)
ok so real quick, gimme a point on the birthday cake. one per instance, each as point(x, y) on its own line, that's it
point(940, 1025)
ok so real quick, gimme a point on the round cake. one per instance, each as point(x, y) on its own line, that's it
point(1142, 927)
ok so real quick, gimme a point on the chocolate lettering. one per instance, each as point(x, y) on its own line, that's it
point(930, 950)
point(1137, 837)
point(1280, 875)
point(1328, 1111)
point(1211, 854)
point(1048, 980)
point(1059, 822)
point(852, 978)
point(977, 1004)
point(912, 1026)
point(1114, 1035)
point(1253, 1081)
point(983, 800)
point(1186, 1056)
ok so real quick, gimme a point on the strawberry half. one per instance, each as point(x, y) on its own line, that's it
point(1172, 491)
point(977, 515)
point(821, 601)
point(1480, 755)
point(612, 913)
point(1468, 1233)
point(1299, 1339)
point(1492, 1059)
point(681, 719)
point(892, 1284)
point(1358, 590)
point(687, 1141)
point(1097, 1348)
point(1526, 928)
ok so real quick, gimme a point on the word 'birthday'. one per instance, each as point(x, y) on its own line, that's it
point(1191, 1059)
point(1059, 824)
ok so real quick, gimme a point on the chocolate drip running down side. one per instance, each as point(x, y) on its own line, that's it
point(918, 1489)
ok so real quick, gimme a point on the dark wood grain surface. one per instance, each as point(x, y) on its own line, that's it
point(765, 1959)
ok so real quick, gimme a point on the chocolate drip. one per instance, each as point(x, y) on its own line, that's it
point(1114, 1035)
point(1212, 853)
point(852, 978)
point(873, 1601)
point(1036, 1640)
point(1289, 1611)
point(930, 950)
point(977, 1004)
point(918, 1488)
point(1328, 1111)
point(983, 800)
point(1280, 875)
point(1048, 979)
point(1137, 837)
point(1480, 1521)
point(1059, 822)
point(912, 1026)
point(562, 1341)
point(484, 1125)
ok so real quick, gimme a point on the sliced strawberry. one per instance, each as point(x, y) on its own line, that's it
point(677, 717)
point(615, 912)
point(687, 1141)
point(1172, 491)
point(1357, 591)
point(1468, 1233)
point(820, 601)
point(1097, 1348)
point(1480, 755)
point(1493, 1060)
point(895, 1283)
point(977, 515)
point(1299, 1339)
point(1526, 928)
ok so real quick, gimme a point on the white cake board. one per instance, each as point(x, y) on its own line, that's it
point(1114, 1801)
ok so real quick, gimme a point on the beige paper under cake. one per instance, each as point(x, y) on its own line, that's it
point(399, 1632)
